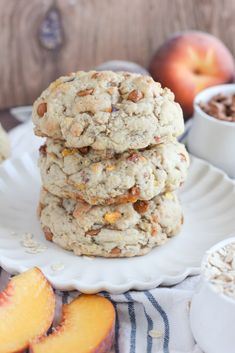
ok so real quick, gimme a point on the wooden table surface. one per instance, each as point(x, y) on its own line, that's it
point(42, 39)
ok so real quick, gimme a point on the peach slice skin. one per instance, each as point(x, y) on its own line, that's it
point(27, 308)
point(87, 327)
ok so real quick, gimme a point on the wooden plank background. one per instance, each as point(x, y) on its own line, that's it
point(40, 40)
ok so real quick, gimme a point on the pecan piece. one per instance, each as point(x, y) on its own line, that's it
point(154, 232)
point(40, 208)
point(81, 208)
point(83, 150)
point(85, 92)
point(42, 109)
point(157, 139)
point(135, 95)
point(110, 90)
point(182, 157)
point(134, 157)
point(135, 191)
point(122, 199)
point(116, 251)
point(95, 75)
point(43, 149)
point(93, 232)
point(48, 234)
point(182, 219)
point(141, 206)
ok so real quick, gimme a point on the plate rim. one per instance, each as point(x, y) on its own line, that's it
point(62, 283)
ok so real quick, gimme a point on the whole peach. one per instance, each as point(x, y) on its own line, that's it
point(190, 61)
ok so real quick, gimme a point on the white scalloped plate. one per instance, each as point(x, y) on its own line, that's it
point(209, 207)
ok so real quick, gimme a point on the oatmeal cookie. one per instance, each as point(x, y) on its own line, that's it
point(104, 177)
point(107, 110)
point(110, 231)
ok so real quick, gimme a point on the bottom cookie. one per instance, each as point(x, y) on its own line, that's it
point(110, 231)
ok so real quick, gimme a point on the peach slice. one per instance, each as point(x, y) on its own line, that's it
point(27, 308)
point(87, 327)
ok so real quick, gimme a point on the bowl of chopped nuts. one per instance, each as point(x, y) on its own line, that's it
point(212, 135)
point(212, 310)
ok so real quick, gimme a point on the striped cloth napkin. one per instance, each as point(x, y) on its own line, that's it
point(154, 321)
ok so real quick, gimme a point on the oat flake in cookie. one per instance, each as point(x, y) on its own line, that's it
point(110, 231)
point(103, 177)
point(107, 110)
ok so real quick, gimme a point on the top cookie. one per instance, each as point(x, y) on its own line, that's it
point(4, 145)
point(107, 110)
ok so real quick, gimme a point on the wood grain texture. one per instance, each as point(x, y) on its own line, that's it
point(41, 40)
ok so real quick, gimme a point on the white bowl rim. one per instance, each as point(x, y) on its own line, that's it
point(199, 97)
point(206, 281)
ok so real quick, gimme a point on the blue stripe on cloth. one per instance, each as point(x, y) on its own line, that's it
point(150, 327)
point(131, 311)
point(163, 314)
point(65, 296)
point(107, 295)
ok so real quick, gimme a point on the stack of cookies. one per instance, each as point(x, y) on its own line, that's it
point(111, 163)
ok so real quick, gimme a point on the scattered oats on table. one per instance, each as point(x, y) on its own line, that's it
point(32, 246)
point(155, 333)
point(57, 267)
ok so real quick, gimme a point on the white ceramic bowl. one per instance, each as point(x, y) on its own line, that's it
point(212, 314)
point(212, 139)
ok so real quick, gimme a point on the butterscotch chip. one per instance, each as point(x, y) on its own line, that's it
point(112, 217)
point(110, 168)
point(108, 110)
point(68, 152)
point(92, 108)
point(131, 232)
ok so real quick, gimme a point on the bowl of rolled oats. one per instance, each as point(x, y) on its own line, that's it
point(212, 135)
point(212, 312)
